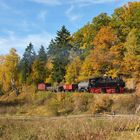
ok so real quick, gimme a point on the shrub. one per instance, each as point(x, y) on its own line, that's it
point(82, 102)
point(53, 107)
point(66, 104)
point(101, 105)
point(125, 104)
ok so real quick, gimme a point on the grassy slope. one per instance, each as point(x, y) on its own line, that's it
point(50, 104)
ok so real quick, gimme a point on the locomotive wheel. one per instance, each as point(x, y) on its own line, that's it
point(103, 90)
point(117, 90)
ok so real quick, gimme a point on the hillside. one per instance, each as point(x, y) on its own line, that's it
point(30, 102)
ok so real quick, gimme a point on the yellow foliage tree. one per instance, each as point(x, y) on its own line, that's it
point(49, 67)
point(116, 54)
point(132, 55)
point(9, 70)
point(73, 71)
point(99, 60)
point(87, 68)
point(103, 42)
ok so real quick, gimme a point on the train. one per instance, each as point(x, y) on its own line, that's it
point(92, 85)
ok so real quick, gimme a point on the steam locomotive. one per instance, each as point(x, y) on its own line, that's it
point(93, 85)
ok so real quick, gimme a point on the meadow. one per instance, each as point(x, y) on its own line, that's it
point(71, 129)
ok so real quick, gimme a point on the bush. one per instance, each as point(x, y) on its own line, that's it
point(66, 103)
point(125, 104)
point(53, 107)
point(101, 105)
point(82, 102)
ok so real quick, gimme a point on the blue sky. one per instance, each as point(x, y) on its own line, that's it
point(36, 21)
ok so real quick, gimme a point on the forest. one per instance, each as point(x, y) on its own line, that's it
point(109, 44)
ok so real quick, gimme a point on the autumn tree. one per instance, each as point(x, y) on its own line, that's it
point(98, 61)
point(100, 21)
point(38, 71)
point(87, 68)
point(125, 18)
point(38, 67)
point(116, 54)
point(117, 22)
point(103, 42)
point(49, 67)
point(73, 71)
point(82, 38)
point(9, 70)
point(132, 55)
point(131, 16)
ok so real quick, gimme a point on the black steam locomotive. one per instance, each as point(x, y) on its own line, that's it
point(106, 85)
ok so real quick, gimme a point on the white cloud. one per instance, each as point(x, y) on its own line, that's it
point(42, 15)
point(5, 6)
point(49, 2)
point(25, 25)
point(82, 3)
point(71, 15)
point(78, 2)
point(20, 43)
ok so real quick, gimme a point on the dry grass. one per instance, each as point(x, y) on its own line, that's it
point(70, 129)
